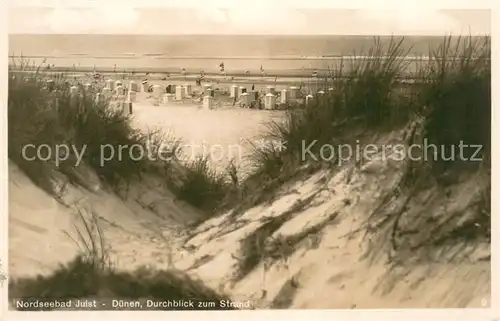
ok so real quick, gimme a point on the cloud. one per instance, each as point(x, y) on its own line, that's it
point(253, 19)
point(104, 17)
point(267, 19)
point(410, 19)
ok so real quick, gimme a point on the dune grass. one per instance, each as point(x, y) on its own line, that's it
point(454, 102)
point(204, 187)
point(456, 95)
point(451, 100)
point(452, 94)
point(111, 147)
point(365, 97)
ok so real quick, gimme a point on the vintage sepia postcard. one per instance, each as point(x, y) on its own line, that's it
point(248, 156)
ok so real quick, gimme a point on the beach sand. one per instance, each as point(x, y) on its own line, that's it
point(223, 133)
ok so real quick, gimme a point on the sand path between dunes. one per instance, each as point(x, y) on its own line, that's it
point(325, 270)
point(221, 134)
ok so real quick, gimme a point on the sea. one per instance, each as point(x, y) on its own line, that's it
point(238, 53)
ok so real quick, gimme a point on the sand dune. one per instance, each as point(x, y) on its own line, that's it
point(326, 267)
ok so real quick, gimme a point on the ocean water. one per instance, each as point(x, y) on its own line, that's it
point(205, 52)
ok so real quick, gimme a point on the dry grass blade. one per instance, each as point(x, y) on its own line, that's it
point(91, 241)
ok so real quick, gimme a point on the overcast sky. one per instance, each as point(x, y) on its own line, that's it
point(106, 16)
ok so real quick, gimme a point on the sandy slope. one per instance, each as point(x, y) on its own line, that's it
point(327, 269)
point(39, 228)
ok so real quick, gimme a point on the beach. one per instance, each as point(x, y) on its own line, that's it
point(276, 55)
point(221, 134)
point(371, 233)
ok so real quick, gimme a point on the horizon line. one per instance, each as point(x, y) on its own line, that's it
point(249, 34)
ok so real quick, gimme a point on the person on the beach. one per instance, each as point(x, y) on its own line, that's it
point(253, 87)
